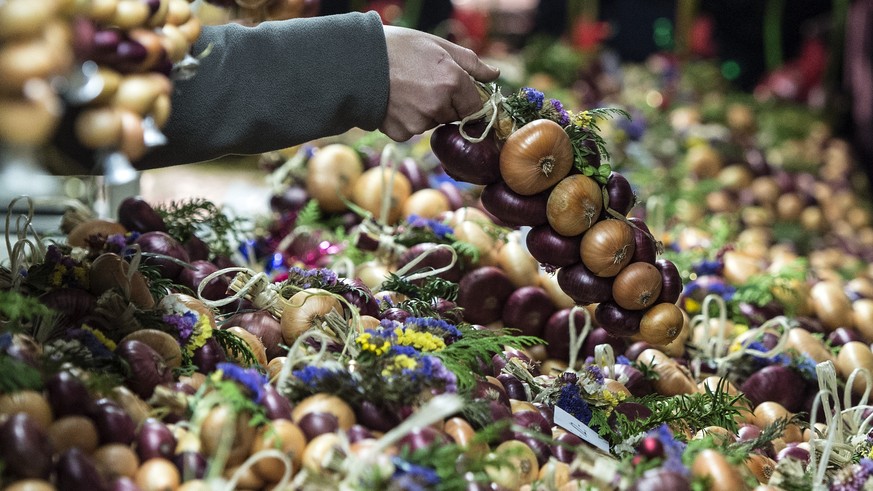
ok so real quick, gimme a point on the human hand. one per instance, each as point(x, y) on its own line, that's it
point(431, 82)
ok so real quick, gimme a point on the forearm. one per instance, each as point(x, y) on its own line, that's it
point(277, 85)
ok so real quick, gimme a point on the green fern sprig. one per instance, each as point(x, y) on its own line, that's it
point(204, 219)
point(476, 345)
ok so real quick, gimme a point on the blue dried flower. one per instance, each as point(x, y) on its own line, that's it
point(673, 449)
point(440, 229)
point(534, 97)
point(570, 400)
point(441, 373)
point(563, 118)
point(595, 373)
point(411, 476)
point(183, 324)
point(249, 378)
point(90, 342)
point(435, 326)
point(707, 267)
point(404, 350)
point(5, 340)
point(622, 360)
point(312, 376)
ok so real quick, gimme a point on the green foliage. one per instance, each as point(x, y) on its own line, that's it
point(463, 356)
point(761, 289)
point(690, 412)
point(236, 347)
point(18, 376)
point(17, 311)
point(205, 220)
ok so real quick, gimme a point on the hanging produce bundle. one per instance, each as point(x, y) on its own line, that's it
point(541, 167)
point(94, 78)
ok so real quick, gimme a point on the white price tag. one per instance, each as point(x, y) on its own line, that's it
point(570, 423)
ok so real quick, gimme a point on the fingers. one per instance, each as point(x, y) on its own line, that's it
point(470, 62)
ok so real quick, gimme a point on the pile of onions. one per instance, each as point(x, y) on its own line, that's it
point(117, 57)
point(578, 226)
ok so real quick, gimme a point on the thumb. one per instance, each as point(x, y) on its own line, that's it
point(470, 63)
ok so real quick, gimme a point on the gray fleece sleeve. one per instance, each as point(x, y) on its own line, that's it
point(277, 85)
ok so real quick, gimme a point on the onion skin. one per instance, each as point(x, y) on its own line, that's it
point(556, 332)
point(155, 440)
point(208, 356)
point(607, 247)
point(476, 163)
point(513, 209)
point(164, 244)
point(644, 243)
point(147, 367)
point(621, 195)
point(528, 309)
point(660, 479)
point(77, 472)
point(26, 448)
point(192, 277)
point(113, 423)
point(137, 215)
point(67, 395)
point(775, 383)
point(583, 286)
point(637, 286)
point(535, 157)
point(671, 281)
point(264, 326)
point(483, 293)
point(276, 406)
point(551, 248)
point(617, 320)
point(574, 205)
point(722, 475)
point(662, 323)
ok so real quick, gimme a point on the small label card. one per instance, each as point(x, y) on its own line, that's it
point(570, 423)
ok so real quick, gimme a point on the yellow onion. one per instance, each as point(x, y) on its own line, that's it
point(305, 309)
point(535, 157)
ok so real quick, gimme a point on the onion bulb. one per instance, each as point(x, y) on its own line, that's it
point(637, 286)
point(661, 324)
point(331, 174)
point(535, 157)
point(607, 247)
point(304, 309)
point(574, 205)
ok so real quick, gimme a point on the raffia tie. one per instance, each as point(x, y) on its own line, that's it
point(427, 272)
point(23, 247)
point(490, 109)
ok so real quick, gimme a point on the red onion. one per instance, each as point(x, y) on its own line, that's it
point(514, 387)
point(67, 395)
point(775, 383)
point(490, 392)
point(395, 314)
point(423, 437)
point(206, 357)
point(436, 259)
point(513, 209)
point(376, 417)
point(556, 333)
point(197, 249)
point(264, 326)
point(291, 199)
point(456, 199)
point(621, 195)
point(532, 420)
point(759, 314)
point(843, 335)
point(155, 439)
point(528, 309)
point(163, 244)
point(632, 351)
point(482, 293)
point(644, 249)
point(360, 296)
point(217, 287)
point(793, 451)
point(562, 449)
point(123, 483)
point(671, 281)
point(72, 303)
point(636, 383)
point(358, 432)
point(114, 424)
point(137, 215)
point(26, 450)
point(539, 447)
point(650, 447)
point(583, 286)
point(476, 163)
point(191, 465)
point(76, 471)
point(147, 367)
point(599, 335)
point(616, 320)
point(317, 423)
point(747, 432)
point(410, 168)
point(275, 404)
point(633, 410)
point(660, 479)
point(499, 360)
point(552, 248)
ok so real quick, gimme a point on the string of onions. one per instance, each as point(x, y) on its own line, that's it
point(712, 346)
point(833, 446)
